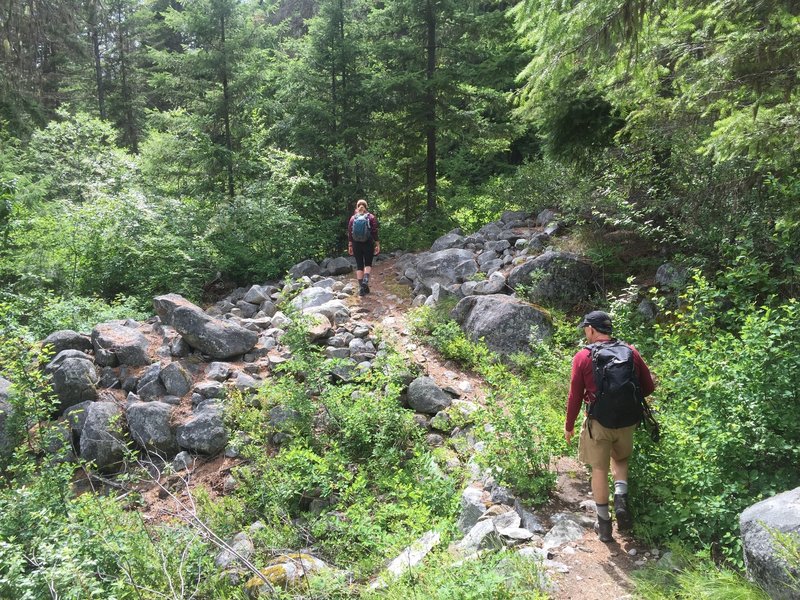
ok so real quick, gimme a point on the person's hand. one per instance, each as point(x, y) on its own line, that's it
point(377, 248)
point(350, 248)
point(568, 433)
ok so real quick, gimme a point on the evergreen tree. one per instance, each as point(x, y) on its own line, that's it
point(208, 76)
point(325, 101)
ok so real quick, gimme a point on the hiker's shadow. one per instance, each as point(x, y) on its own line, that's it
point(620, 566)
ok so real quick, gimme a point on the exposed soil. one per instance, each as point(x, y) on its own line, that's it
point(596, 571)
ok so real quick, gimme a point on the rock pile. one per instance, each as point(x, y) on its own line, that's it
point(500, 275)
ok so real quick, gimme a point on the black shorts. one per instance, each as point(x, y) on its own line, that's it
point(363, 252)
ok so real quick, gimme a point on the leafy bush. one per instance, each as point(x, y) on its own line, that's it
point(523, 424)
point(273, 224)
point(728, 408)
point(414, 231)
point(353, 469)
point(42, 314)
point(691, 577)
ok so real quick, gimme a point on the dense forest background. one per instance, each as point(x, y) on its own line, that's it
point(149, 145)
point(154, 146)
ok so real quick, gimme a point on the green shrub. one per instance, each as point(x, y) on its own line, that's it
point(690, 577)
point(43, 314)
point(523, 428)
point(729, 415)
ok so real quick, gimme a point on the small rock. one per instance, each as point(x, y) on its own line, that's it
point(182, 461)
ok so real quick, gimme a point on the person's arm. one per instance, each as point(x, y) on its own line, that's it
point(374, 228)
point(350, 237)
point(646, 383)
point(577, 390)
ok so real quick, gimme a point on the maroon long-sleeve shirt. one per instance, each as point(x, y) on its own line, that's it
point(582, 388)
point(373, 227)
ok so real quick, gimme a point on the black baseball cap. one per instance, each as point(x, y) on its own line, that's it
point(599, 320)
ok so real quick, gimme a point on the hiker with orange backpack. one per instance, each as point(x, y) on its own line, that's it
point(363, 243)
point(612, 380)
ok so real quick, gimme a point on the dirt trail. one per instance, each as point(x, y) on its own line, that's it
point(596, 571)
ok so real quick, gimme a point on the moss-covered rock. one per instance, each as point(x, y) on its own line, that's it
point(287, 571)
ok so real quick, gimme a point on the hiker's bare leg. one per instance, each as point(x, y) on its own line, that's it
point(360, 275)
point(368, 270)
point(619, 468)
point(600, 486)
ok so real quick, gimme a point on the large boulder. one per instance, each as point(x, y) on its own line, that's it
point(556, 279)
point(672, 276)
point(66, 339)
point(338, 266)
point(759, 524)
point(205, 433)
point(496, 284)
point(214, 337)
point(312, 297)
point(117, 344)
point(335, 310)
point(102, 437)
point(150, 427)
point(447, 241)
point(286, 571)
point(165, 306)
point(176, 379)
point(257, 294)
point(506, 324)
point(445, 267)
point(74, 378)
point(306, 268)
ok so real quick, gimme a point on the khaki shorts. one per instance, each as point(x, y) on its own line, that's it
point(596, 451)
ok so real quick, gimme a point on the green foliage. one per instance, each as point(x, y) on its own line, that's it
point(88, 547)
point(695, 578)
point(274, 224)
point(492, 576)
point(30, 399)
point(352, 468)
point(523, 427)
point(727, 406)
point(76, 159)
point(43, 314)
point(414, 230)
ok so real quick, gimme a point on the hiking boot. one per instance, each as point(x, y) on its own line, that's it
point(363, 290)
point(624, 519)
point(603, 529)
point(366, 288)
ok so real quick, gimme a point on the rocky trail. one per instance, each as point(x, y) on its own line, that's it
point(583, 568)
point(591, 569)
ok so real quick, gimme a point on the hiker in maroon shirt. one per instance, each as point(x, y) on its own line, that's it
point(363, 249)
point(602, 447)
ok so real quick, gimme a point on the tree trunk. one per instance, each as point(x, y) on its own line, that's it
point(430, 107)
point(98, 66)
point(226, 116)
point(127, 94)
